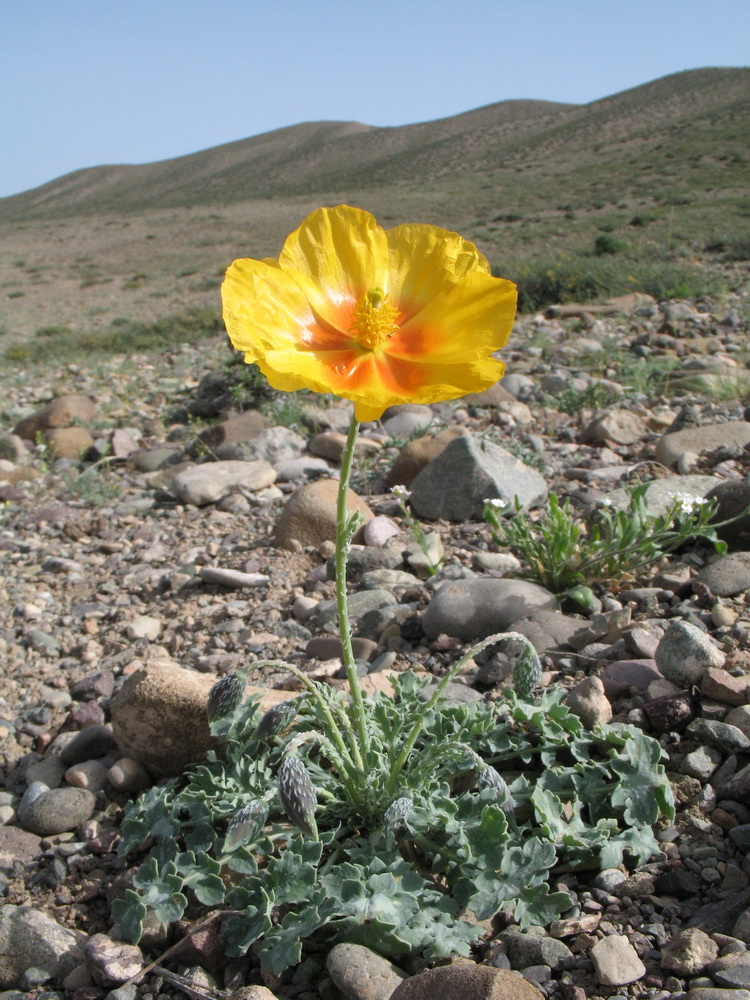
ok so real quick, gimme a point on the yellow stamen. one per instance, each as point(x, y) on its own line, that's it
point(374, 319)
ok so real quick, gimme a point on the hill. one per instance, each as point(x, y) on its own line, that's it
point(662, 166)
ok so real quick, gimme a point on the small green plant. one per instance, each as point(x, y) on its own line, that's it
point(605, 244)
point(593, 397)
point(95, 486)
point(402, 495)
point(561, 550)
point(397, 837)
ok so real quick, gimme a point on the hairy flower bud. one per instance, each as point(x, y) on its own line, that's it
point(276, 719)
point(489, 778)
point(297, 794)
point(396, 813)
point(225, 697)
point(246, 824)
point(527, 671)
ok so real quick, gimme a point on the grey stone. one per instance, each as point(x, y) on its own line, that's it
point(548, 631)
point(736, 977)
point(616, 961)
point(455, 485)
point(273, 445)
point(55, 810)
point(701, 440)
point(685, 653)
point(733, 497)
point(29, 938)
point(361, 974)
point(619, 677)
point(619, 426)
point(359, 604)
point(728, 575)
point(112, 961)
point(661, 493)
point(203, 484)
point(88, 744)
point(402, 421)
point(233, 579)
point(689, 952)
point(701, 763)
point(725, 738)
point(287, 470)
point(531, 949)
point(474, 609)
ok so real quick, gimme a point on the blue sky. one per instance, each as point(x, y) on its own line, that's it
point(89, 82)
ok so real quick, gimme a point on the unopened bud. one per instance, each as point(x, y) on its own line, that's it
point(225, 697)
point(246, 824)
point(297, 794)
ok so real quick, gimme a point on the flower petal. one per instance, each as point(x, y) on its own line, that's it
point(466, 322)
point(423, 261)
point(264, 308)
point(335, 257)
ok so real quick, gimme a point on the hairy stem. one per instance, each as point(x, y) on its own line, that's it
point(343, 541)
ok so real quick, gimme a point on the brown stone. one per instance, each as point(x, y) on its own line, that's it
point(722, 686)
point(61, 412)
point(466, 981)
point(68, 442)
point(159, 716)
point(14, 476)
point(245, 427)
point(418, 453)
point(309, 517)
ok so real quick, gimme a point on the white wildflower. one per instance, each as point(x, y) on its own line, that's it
point(401, 492)
point(496, 504)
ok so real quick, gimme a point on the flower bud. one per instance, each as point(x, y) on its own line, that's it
point(225, 697)
point(395, 816)
point(246, 824)
point(297, 794)
point(276, 719)
point(527, 671)
point(489, 778)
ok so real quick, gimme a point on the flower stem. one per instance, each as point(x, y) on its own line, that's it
point(344, 535)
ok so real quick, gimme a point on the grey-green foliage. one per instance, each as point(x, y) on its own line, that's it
point(561, 550)
point(396, 869)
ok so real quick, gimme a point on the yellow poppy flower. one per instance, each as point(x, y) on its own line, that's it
point(406, 315)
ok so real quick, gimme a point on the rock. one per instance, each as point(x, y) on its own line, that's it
point(701, 763)
point(68, 442)
point(112, 961)
point(16, 845)
point(725, 687)
point(733, 497)
point(532, 949)
point(618, 426)
point(127, 775)
point(380, 530)
point(739, 717)
point(90, 743)
point(12, 449)
point(685, 653)
point(55, 810)
point(728, 739)
point(621, 676)
point(616, 961)
point(407, 419)
point(466, 981)
point(154, 459)
point(548, 631)
point(90, 774)
point(703, 440)
point(309, 517)
point(728, 575)
point(425, 558)
point(361, 974)
point(661, 493)
point(29, 938)
point(252, 993)
point(233, 579)
point(689, 952)
point(61, 412)
point(456, 484)
point(588, 701)
point(237, 429)
point(331, 445)
point(143, 627)
point(474, 609)
point(159, 716)
point(417, 454)
point(290, 469)
point(203, 484)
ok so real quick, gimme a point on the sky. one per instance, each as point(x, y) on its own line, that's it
point(91, 82)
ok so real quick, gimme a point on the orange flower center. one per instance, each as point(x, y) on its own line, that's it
point(374, 319)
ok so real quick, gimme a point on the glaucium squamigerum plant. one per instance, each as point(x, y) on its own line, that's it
point(392, 821)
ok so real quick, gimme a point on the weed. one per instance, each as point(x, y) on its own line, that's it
point(402, 495)
point(561, 550)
